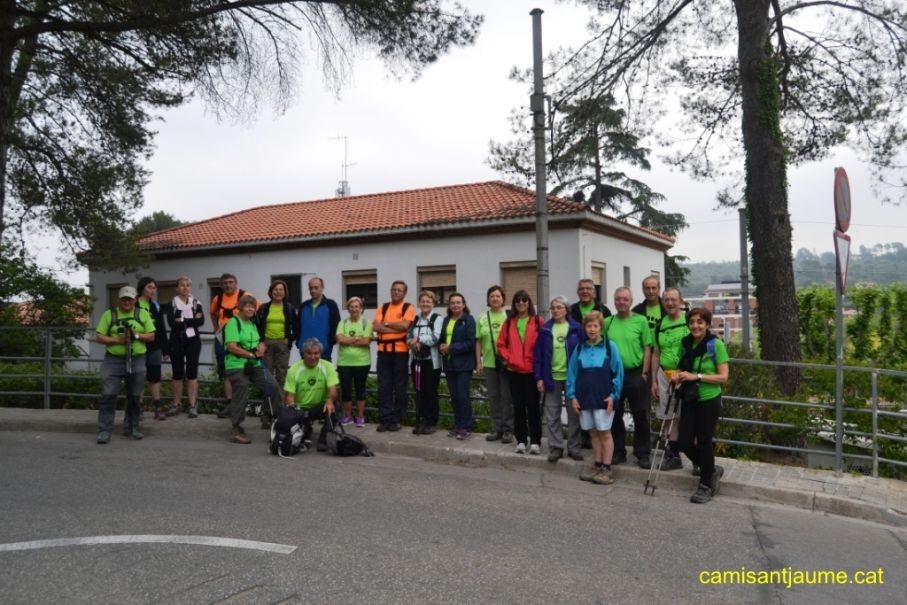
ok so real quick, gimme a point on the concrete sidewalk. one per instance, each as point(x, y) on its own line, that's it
point(858, 496)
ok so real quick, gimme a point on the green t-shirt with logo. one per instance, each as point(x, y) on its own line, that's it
point(704, 364)
point(487, 334)
point(309, 386)
point(354, 355)
point(246, 335)
point(559, 350)
point(653, 314)
point(143, 325)
point(669, 336)
point(631, 335)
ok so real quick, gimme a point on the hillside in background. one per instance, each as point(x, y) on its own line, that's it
point(881, 264)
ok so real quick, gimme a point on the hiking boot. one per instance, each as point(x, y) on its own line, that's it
point(394, 427)
point(695, 472)
point(464, 434)
point(717, 474)
point(136, 433)
point(493, 436)
point(576, 456)
point(428, 430)
point(360, 422)
point(702, 495)
point(672, 464)
point(520, 448)
point(417, 430)
point(237, 435)
point(555, 454)
point(603, 477)
point(193, 412)
point(588, 473)
point(507, 437)
point(159, 414)
point(644, 462)
point(381, 427)
point(104, 437)
point(535, 449)
point(175, 410)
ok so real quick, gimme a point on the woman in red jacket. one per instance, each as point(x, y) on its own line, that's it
point(516, 344)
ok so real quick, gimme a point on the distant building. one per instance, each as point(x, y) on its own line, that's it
point(725, 302)
point(456, 238)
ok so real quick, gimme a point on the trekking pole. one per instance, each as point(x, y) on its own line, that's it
point(662, 444)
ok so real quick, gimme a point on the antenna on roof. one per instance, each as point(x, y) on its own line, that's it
point(343, 189)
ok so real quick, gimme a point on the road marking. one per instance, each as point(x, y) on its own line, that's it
point(283, 549)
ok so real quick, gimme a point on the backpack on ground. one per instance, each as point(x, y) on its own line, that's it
point(286, 432)
point(341, 444)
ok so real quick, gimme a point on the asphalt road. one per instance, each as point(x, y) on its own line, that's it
point(393, 530)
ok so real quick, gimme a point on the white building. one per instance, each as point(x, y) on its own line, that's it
point(457, 238)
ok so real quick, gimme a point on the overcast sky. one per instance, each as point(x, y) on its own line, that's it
point(434, 132)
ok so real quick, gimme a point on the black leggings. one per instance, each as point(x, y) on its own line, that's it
point(697, 429)
point(526, 408)
point(184, 354)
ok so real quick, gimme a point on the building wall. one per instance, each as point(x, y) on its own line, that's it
point(477, 259)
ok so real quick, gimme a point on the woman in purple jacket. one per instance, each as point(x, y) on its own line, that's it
point(557, 340)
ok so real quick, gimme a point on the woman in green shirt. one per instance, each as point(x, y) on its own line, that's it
point(354, 360)
point(702, 371)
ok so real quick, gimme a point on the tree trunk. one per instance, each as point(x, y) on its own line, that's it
point(766, 191)
point(6, 91)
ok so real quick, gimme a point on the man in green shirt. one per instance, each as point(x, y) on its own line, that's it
point(630, 332)
point(651, 308)
point(124, 329)
point(669, 331)
point(311, 386)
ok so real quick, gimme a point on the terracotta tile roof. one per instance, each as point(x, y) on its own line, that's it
point(454, 205)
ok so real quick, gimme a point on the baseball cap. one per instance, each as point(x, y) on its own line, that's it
point(126, 292)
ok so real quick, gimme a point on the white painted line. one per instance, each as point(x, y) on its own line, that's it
point(283, 549)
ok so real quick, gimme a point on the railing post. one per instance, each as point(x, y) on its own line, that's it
point(875, 423)
point(48, 351)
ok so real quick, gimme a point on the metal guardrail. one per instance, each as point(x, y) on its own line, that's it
point(52, 364)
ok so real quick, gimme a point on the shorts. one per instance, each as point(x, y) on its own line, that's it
point(665, 393)
point(600, 420)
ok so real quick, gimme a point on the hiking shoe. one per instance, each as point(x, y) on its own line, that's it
point(520, 448)
point(223, 413)
point(346, 421)
point(394, 427)
point(535, 449)
point(452, 433)
point(702, 495)
point(428, 430)
point(717, 474)
point(136, 433)
point(493, 436)
point(576, 456)
point(360, 422)
point(464, 434)
point(237, 435)
point(175, 410)
point(618, 459)
point(159, 414)
point(381, 428)
point(672, 464)
point(588, 473)
point(603, 477)
point(507, 437)
point(104, 437)
point(555, 454)
point(193, 412)
point(644, 462)
point(417, 430)
point(695, 472)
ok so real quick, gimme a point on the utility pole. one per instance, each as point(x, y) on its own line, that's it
point(537, 105)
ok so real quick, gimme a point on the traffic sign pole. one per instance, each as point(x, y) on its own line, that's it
point(842, 259)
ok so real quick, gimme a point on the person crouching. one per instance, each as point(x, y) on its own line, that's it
point(311, 386)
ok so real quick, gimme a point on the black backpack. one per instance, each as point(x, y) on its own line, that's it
point(286, 432)
point(341, 444)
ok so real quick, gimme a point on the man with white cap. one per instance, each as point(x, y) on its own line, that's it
point(124, 330)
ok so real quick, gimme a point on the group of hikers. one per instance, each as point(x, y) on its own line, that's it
point(583, 362)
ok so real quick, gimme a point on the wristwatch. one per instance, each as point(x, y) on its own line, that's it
point(699, 377)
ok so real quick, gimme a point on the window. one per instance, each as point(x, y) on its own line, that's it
point(213, 287)
point(166, 290)
point(598, 278)
point(440, 280)
point(294, 285)
point(627, 277)
point(519, 276)
point(363, 284)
